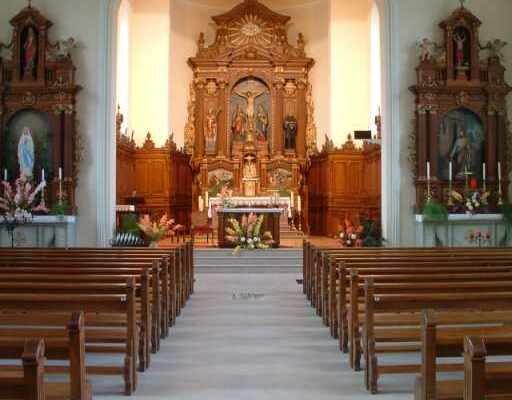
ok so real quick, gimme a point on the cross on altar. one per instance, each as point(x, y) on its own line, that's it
point(462, 3)
point(30, 3)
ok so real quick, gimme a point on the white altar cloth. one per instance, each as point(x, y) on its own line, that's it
point(248, 202)
point(43, 231)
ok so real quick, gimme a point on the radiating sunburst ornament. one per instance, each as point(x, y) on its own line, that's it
point(250, 29)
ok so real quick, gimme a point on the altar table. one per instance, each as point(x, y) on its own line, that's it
point(270, 223)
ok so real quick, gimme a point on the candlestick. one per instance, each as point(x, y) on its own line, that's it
point(60, 173)
point(292, 200)
point(450, 184)
point(299, 203)
point(499, 170)
point(484, 177)
point(429, 196)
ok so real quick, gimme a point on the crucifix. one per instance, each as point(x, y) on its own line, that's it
point(462, 3)
point(30, 3)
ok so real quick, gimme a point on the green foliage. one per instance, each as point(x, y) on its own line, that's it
point(371, 235)
point(434, 211)
point(60, 209)
point(129, 224)
point(506, 210)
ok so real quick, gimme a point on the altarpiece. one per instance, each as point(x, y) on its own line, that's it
point(250, 115)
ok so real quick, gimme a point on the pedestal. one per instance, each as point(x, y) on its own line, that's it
point(454, 231)
point(43, 231)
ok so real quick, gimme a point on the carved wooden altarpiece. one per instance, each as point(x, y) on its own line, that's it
point(38, 92)
point(461, 111)
point(250, 123)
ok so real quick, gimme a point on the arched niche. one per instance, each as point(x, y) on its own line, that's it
point(41, 135)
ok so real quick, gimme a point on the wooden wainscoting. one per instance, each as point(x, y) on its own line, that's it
point(342, 184)
point(161, 176)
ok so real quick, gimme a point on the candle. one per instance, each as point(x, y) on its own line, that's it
point(200, 203)
point(60, 173)
point(42, 175)
point(428, 170)
point(5, 174)
point(450, 169)
point(289, 212)
point(299, 203)
point(499, 171)
point(292, 202)
point(483, 172)
point(207, 199)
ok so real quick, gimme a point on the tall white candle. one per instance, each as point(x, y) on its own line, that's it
point(5, 174)
point(299, 203)
point(200, 203)
point(499, 170)
point(42, 175)
point(484, 172)
point(292, 200)
point(450, 169)
point(289, 212)
point(428, 170)
point(206, 199)
point(60, 173)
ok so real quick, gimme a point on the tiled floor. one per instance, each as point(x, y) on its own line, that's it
point(250, 337)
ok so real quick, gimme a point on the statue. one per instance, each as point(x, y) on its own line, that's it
point(427, 48)
point(239, 124)
point(460, 38)
point(496, 49)
point(30, 52)
point(461, 153)
point(250, 168)
point(250, 95)
point(26, 153)
point(64, 47)
point(210, 130)
point(262, 124)
point(290, 132)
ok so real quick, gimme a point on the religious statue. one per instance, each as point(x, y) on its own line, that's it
point(461, 153)
point(210, 130)
point(290, 132)
point(427, 48)
point(64, 47)
point(250, 95)
point(239, 124)
point(26, 153)
point(262, 124)
point(496, 49)
point(460, 38)
point(29, 52)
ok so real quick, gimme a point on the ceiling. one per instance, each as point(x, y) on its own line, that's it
point(272, 4)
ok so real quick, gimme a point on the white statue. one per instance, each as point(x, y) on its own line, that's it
point(26, 153)
point(496, 49)
point(427, 49)
point(64, 47)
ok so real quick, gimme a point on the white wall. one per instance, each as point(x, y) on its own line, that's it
point(418, 19)
point(75, 18)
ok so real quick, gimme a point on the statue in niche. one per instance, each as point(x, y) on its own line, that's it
point(210, 130)
point(29, 52)
point(290, 132)
point(26, 153)
point(239, 125)
point(461, 153)
point(262, 124)
point(460, 39)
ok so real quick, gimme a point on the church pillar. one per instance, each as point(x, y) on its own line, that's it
point(433, 127)
point(222, 118)
point(200, 120)
point(491, 148)
point(422, 144)
point(278, 138)
point(301, 120)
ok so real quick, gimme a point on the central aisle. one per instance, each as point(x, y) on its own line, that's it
point(249, 337)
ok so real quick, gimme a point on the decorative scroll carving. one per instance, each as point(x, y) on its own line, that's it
point(190, 126)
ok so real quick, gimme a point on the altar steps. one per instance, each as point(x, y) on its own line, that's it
point(279, 261)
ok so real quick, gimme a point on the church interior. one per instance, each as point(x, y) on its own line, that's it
point(256, 199)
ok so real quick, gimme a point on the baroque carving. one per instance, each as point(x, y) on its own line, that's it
point(190, 130)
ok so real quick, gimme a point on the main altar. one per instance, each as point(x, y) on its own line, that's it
point(250, 126)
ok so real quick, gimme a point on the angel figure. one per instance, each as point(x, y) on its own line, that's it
point(428, 49)
point(64, 47)
point(496, 49)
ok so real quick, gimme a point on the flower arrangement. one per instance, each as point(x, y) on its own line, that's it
point(157, 230)
point(246, 234)
point(475, 202)
point(478, 238)
point(19, 202)
point(363, 233)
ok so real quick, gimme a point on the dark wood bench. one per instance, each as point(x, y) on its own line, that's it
point(63, 335)
point(443, 336)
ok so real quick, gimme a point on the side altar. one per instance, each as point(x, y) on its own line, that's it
point(270, 223)
point(250, 125)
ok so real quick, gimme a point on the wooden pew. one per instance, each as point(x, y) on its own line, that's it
point(63, 334)
point(447, 341)
point(92, 304)
point(414, 302)
point(480, 380)
point(27, 383)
